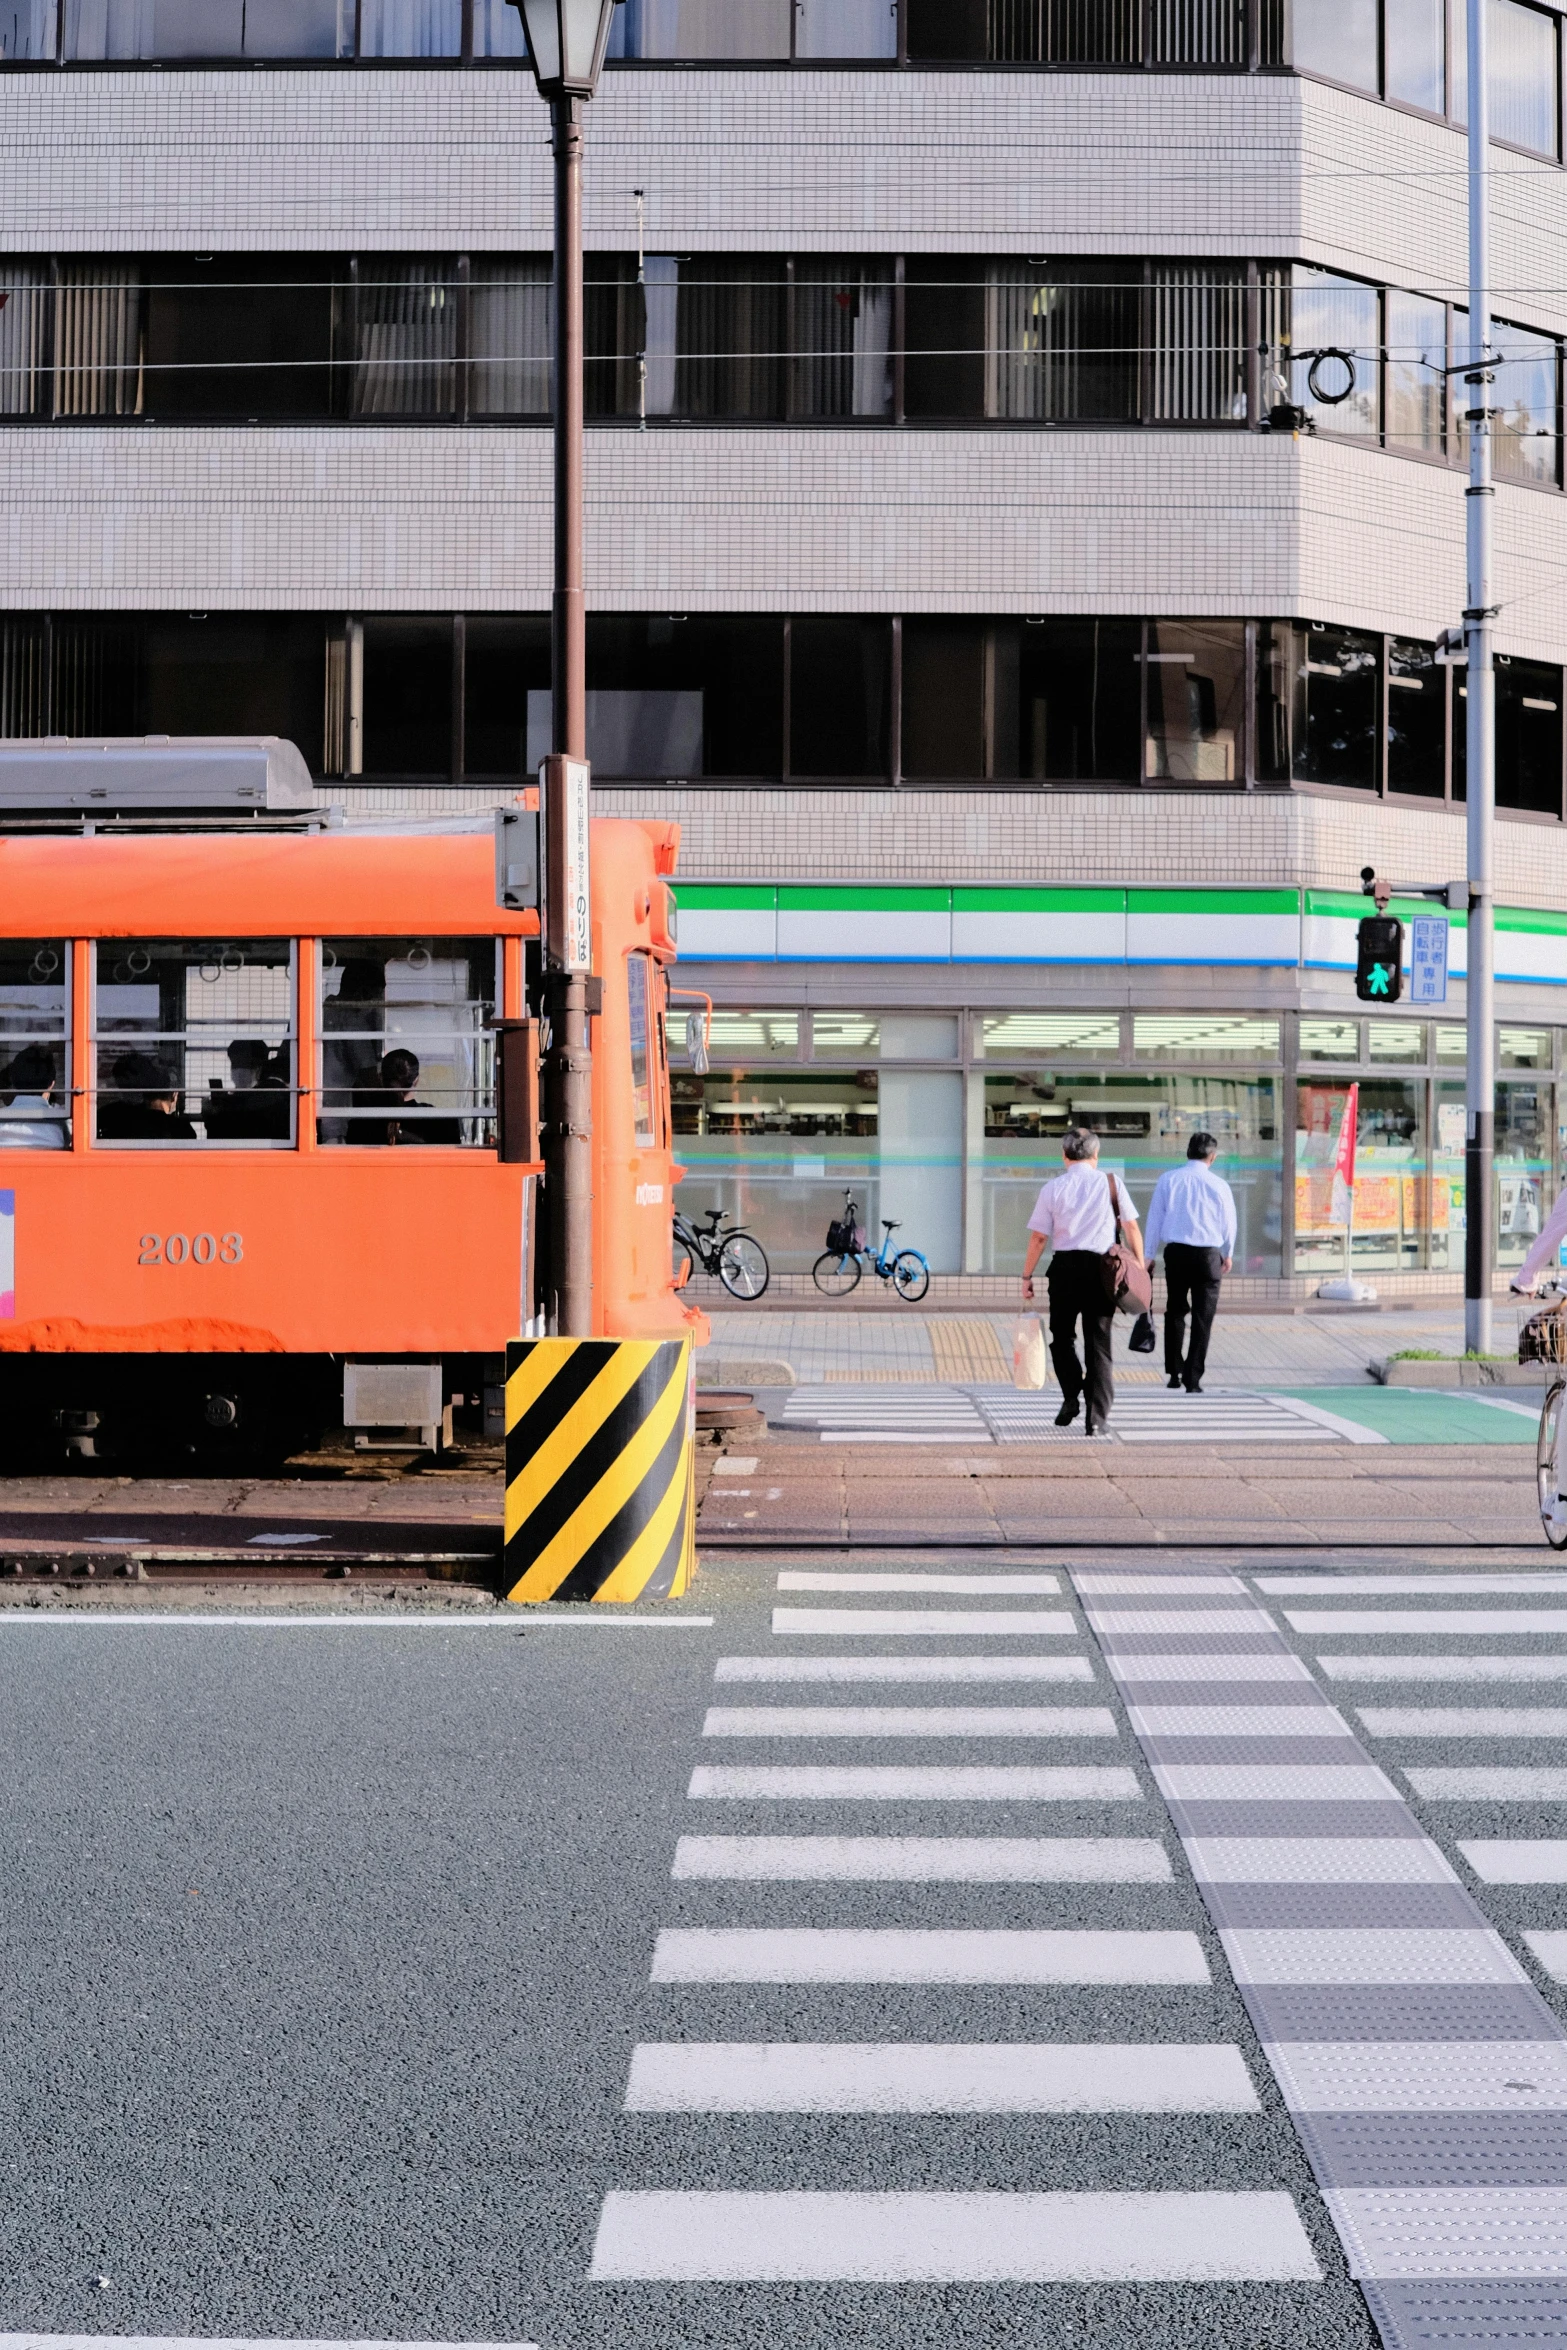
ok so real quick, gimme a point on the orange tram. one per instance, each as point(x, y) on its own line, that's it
point(256, 1182)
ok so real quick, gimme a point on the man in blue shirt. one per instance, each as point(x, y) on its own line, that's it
point(1193, 1220)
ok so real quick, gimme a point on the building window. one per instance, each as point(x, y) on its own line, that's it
point(405, 338)
point(841, 345)
point(1416, 720)
point(839, 682)
point(1317, 705)
point(1528, 736)
point(408, 697)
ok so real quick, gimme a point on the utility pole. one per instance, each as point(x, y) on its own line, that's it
point(1480, 732)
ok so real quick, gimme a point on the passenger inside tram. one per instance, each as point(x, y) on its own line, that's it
point(392, 1099)
point(144, 1104)
point(255, 1105)
point(32, 1121)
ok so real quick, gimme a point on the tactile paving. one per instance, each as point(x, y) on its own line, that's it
point(1489, 2314)
point(1452, 2231)
point(1315, 1821)
point(1422, 2076)
point(1462, 2151)
point(1385, 2011)
point(1338, 1905)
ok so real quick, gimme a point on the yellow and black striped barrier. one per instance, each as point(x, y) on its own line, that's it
point(599, 1469)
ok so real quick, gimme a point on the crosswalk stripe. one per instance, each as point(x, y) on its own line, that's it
point(916, 1783)
point(1497, 1585)
point(915, 2077)
point(1551, 1951)
point(926, 1860)
point(1368, 1954)
point(1455, 1622)
point(906, 1668)
point(923, 1623)
point(1520, 1860)
point(876, 1954)
point(953, 2238)
point(1503, 1784)
point(966, 1586)
point(1444, 1668)
point(1452, 1721)
point(1422, 2076)
point(911, 1721)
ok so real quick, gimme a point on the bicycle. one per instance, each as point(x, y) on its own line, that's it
point(1544, 1340)
point(837, 1270)
point(738, 1260)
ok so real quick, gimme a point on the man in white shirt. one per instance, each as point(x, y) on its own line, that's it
point(1192, 1219)
point(1074, 1212)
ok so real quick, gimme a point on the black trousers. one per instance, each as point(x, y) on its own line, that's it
point(1077, 1294)
point(1191, 1283)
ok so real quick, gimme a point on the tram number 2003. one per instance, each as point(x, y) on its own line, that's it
point(184, 1248)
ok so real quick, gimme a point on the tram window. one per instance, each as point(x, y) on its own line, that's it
point(642, 1048)
point(407, 1050)
point(35, 1100)
point(193, 1040)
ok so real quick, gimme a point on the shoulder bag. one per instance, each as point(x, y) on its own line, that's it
point(1128, 1282)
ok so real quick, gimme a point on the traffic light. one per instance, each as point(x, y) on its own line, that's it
point(1379, 960)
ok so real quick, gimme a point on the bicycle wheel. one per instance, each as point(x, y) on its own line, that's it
point(742, 1266)
point(1553, 1509)
point(836, 1275)
point(910, 1276)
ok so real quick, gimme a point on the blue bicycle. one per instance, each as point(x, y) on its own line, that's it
point(837, 1270)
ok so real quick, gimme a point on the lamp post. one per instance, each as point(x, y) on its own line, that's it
point(566, 44)
point(1480, 683)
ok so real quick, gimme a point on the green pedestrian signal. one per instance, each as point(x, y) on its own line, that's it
point(1379, 960)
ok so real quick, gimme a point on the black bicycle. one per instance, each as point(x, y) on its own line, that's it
point(736, 1259)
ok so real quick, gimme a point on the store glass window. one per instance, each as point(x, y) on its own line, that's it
point(407, 1047)
point(777, 1149)
point(846, 1035)
point(1389, 1196)
point(1416, 720)
point(1317, 697)
point(1403, 1041)
point(1452, 1044)
point(1204, 1036)
point(1330, 1040)
point(1523, 1048)
point(1071, 1035)
point(1144, 1121)
point(741, 1036)
point(1445, 1237)
point(193, 1040)
point(35, 1065)
point(1196, 702)
point(1080, 699)
point(1525, 1135)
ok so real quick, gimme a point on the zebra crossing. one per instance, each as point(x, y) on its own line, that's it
point(893, 1923)
point(851, 1413)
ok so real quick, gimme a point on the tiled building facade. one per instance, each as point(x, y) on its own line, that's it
point(1030, 690)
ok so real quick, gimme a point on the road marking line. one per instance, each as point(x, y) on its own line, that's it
point(1470, 2231)
point(1274, 1783)
point(874, 1954)
point(910, 1668)
point(910, 1721)
point(1421, 2076)
point(966, 1586)
point(1239, 1721)
point(919, 2077)
point(914, 1783)
point(1317, 1860)
point(1521, 1860)
point(1368, 1954)
point(39, 2341)
point(499, 1619)
point(1480, 1785)
point(860, 1623)
point(1456, 1622)
point(1453, 1721)
point(976, 2238)
point(1496, 1585)
point(1444, 1668)
point(936, 1860)
point(1551, 1951)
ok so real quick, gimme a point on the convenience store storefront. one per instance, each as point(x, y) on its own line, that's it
point(950, 1117)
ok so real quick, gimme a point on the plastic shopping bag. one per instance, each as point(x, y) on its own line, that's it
point(1028, 1353)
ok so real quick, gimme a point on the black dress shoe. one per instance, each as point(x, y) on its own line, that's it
point(1067, 1414)
point(1174, 1379)
point(1194, 1387)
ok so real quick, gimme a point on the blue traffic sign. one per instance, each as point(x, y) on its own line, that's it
point(1428, 959)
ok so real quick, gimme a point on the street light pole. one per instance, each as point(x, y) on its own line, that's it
point(567, 40)
point(1480, 731)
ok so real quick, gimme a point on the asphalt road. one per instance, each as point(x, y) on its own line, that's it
point(328, 1950)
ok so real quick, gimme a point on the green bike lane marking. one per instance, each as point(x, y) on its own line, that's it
point(1414, 1415)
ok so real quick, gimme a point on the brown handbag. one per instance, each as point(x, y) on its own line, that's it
point(1128, 1282)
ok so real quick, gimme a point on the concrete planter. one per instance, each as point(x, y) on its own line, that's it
point(1453, 1373)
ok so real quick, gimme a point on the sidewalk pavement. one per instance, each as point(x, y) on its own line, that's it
point(1247, 1351)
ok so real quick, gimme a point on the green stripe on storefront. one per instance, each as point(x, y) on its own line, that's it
point(1527, 918)
point(1213, 901)
point(1039, 901)
point(727, 897)
point(1340, 906)
point(795, 899)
